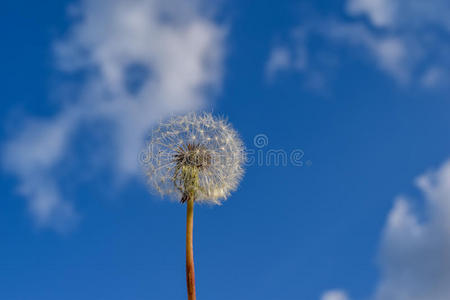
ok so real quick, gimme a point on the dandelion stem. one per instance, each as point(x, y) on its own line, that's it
point(190, 274)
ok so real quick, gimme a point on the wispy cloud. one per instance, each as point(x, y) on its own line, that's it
point(409, 41)
point(280, 60)
point(140, 60)
point(415, 247)
point(334, 295)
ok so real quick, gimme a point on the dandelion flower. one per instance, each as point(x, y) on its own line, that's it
point(194, 158)
point(194, 147)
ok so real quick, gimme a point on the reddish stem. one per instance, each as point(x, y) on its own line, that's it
point(190, 274)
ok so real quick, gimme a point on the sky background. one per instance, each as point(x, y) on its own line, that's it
point(360, 86)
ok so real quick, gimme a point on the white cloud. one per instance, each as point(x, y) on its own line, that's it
point(389, 52)
point(380, 12)
point(408, 40)
point(415, 253)
point(400, 14)
point(143, 60)
point(415, 247)
point(334, 295)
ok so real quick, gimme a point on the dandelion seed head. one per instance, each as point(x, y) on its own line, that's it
point(204, 147)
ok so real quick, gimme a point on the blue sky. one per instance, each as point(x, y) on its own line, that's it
point(361, 87)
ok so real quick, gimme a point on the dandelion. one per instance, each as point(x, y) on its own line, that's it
point(194, 158)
